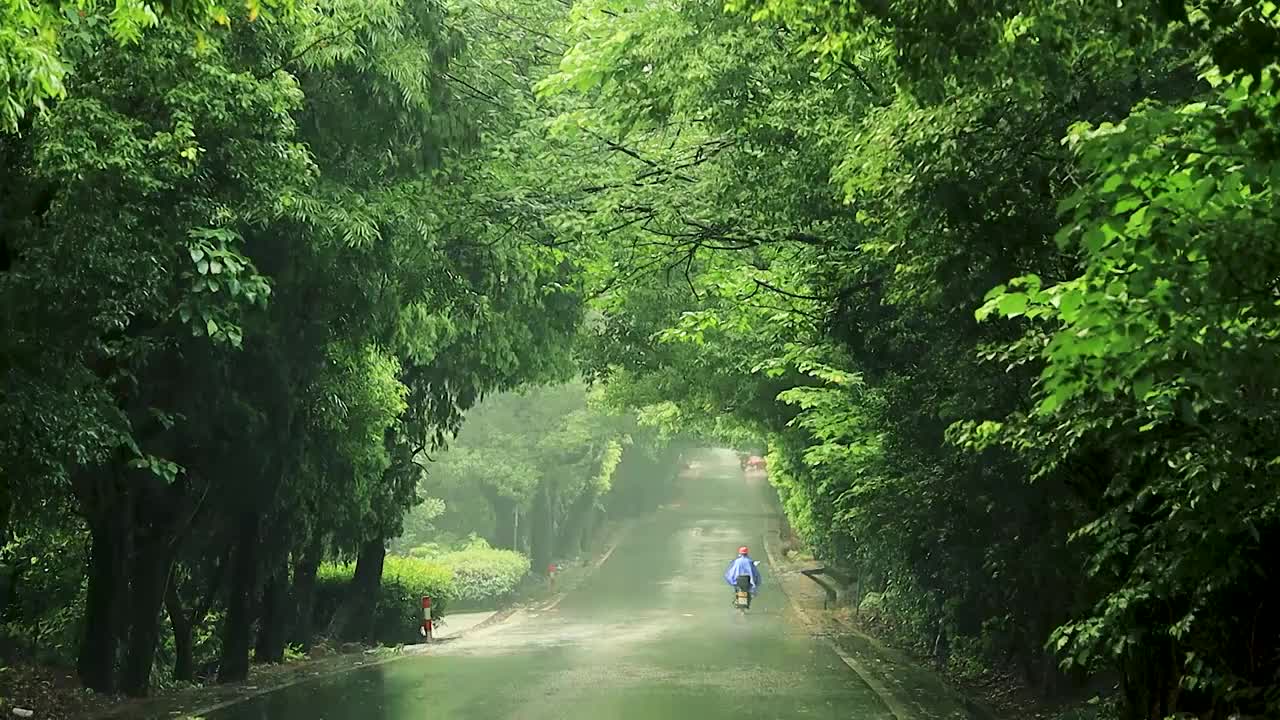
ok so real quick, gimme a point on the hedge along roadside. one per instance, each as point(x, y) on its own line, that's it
point(484, 577)
point(398, 613)
point(474, 577)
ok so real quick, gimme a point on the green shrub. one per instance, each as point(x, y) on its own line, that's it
point(399, 611)
point(42, 608)
point(484, 576)
point(1096, 708)
point(426, 551)
point(475, 576)
point(967, 660)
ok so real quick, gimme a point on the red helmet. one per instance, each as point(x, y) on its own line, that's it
point(742, 550)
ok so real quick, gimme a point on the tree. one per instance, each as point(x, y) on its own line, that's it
point(259, 313)
point(545, 457)
point(873, 205)
point(41, 39)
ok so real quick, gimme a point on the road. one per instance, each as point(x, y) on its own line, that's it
point(650, 635)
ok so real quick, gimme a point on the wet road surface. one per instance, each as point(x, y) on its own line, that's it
point(650, 635)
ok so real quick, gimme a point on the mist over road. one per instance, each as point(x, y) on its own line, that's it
point(650, 635)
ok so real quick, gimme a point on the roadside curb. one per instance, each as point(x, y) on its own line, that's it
point(408, 651)
point(596, 564)
point(248, 694)
point(887, 696)
point(882, 668)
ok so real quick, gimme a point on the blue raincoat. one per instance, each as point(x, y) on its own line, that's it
point(743, 565)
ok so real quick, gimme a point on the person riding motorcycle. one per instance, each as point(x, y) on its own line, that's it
point(743, 574)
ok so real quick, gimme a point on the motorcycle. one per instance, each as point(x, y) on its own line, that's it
point(741, 597)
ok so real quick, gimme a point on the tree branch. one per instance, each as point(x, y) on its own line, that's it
point(797, 296)
point(318, 41)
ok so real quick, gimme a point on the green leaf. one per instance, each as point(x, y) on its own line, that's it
point(1069, 305)
point(1013, 304)
point(1142, 386)
point(1094, 240)
point(1062, 238)
point(1127, 204)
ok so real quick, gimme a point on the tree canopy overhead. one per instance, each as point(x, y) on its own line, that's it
point(257, 280)
point(994, 283)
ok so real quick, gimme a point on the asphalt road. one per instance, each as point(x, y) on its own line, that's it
point(650, 635)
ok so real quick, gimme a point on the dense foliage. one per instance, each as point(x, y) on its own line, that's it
point(536, 472)
point(39, 40)
point(993, 282)
point(250, 279)
point(835, 201)
point(484, 576)
point(398, 614)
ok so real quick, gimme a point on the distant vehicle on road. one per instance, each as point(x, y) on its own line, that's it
point(755, 462)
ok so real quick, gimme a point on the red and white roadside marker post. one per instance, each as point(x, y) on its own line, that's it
point(551, 574)
point(426, 618)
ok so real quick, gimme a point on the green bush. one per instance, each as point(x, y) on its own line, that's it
point(475, 576)
point(399, 612)
point(43, 597)
point(427, 551)
point(433, 577)
point(404, 581)
point(484, 576)
point(872, 605)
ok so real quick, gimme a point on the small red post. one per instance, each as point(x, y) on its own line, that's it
point(551, 574)
point(426, 617)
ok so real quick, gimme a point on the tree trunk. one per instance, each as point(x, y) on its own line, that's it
point(6, 506)
point(9, 579)
point(185, 624)
point(234, 666)
point(151, 567)
point(184, 662)
point(504, 526)
point(273, 630)
point(97, 657)
point(577, 526)
point(365, 589)
point(542, 530)
point(591, 528)
point(304, 595)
